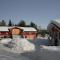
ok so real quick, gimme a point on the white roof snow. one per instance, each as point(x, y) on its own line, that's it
point(2, 28)
point(55, 21)
point(28, 28)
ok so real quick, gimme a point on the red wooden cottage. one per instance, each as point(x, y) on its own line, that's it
point(26, 32)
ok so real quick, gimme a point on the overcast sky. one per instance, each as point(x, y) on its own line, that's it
point(37, 11)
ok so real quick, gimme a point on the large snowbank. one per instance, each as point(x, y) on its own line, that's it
point(24, 45)
point(5, 41)
point(48, 53)
point(19, 45)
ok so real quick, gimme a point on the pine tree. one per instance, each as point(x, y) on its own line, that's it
point(22, 23)
point(10, 23)
point(33, 25)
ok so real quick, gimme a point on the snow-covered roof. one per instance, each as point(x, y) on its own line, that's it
point(55, 21)
point(28, 28)
point(5, 28)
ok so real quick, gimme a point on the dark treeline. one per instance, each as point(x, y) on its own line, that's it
point(21, 23)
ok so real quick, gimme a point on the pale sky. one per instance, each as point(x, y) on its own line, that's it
point(38, 11)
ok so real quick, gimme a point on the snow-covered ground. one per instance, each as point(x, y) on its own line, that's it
point(7, 55)
point(8, 52)
point(41, 52)
point(49, 53)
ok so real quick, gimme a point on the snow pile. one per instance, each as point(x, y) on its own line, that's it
point(43, 37)
point(23, 45)
point(5, 41)
point(49, 53)
point(52, 48)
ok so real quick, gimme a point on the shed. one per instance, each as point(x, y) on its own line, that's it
point(54, 32)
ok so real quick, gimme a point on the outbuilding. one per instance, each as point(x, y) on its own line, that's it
point(54, 32)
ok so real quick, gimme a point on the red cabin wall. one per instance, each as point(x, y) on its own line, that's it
point(29, 35)
point(4, 34)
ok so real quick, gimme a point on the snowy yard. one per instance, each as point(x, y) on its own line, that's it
point(5, 53)
point(41, 52)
